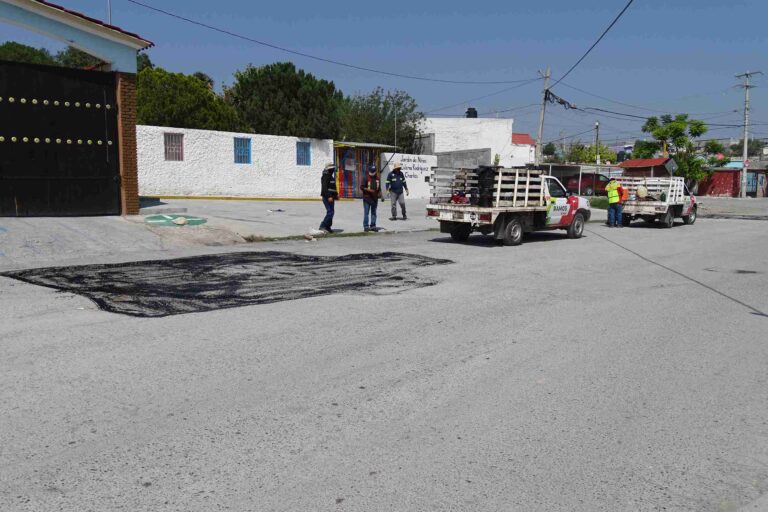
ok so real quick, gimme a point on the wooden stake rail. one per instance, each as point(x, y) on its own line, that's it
point(515, 188)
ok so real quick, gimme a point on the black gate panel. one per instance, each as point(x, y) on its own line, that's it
point(58, 141)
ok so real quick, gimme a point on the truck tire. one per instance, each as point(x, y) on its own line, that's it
point(576, 229)
point(513, 232)
point(691, 218)
point(626, 220)
point(461, 232)
point(668, 219)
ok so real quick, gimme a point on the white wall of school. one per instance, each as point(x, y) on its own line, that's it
point(416, 168)
point(461, 133)
point(208, 168)
point(523, 154)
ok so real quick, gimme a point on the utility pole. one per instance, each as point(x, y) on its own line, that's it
point(745, 162)
point(109, 11)
point(540, 135)
point(395, 127)
point(597, 142)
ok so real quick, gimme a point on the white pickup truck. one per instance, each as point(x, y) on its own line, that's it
point(505, 202)
point(658, 199)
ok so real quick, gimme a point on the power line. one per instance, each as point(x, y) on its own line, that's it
point(570, 136)
point(322, 59)
point(595, 43)
point(481, 97)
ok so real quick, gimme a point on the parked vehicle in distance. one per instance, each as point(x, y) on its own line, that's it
point(505, 202)
point(591, 184)
point(658, 199)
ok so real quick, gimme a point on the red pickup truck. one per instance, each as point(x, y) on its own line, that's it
point(590, 184)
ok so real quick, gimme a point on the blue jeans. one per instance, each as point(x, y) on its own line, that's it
point(619, 214)
point(369, 208)
point(329, 210)
point(614, 214)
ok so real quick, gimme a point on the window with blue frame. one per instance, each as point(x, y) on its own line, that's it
point(303, 153)
point(242, 150)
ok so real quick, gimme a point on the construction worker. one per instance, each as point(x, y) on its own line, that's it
point(329, 194)
point(612, 190)
point(371, 188)
point(395, 186)
point(623, 197)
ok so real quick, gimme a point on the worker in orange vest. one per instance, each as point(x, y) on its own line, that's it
point(623, 197)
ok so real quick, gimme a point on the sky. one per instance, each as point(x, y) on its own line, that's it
point(662, 55)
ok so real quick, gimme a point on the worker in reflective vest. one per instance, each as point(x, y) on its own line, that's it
point(612, 190)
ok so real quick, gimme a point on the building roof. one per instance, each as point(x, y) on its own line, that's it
point(523, 139)
point(138, 41)
point(343, 144)
point(643, 162)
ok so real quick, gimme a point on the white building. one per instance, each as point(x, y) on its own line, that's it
point(185, 162)
point(523, 149)
point(447, 134)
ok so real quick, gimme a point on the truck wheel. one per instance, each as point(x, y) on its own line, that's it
point(626, 220)
point(513, 232)
point(668, 219)
point(691, 218)
point(461, 232)
point(576, 229)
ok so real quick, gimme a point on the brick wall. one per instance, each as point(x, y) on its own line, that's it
point(126, 132)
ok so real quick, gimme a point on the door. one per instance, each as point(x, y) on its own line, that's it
point(58, 141)
point(751, 183)
point(558, 204)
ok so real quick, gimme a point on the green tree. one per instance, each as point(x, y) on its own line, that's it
point(206, 79)
point(278, 99)
point(645, 149)
point(17, 52)
point(74, 58)
point(754, 148)
point(371, 118)
point(182, 101)
point(549, 149)
point(676, 134)
point(142, 62)
point(586, 154)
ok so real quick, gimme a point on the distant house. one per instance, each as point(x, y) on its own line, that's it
point(467, 141)
point(523, 149)
point(649, 167)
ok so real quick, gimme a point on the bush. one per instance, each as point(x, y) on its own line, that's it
point(601, 203)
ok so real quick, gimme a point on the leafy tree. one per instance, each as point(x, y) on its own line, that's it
point(677, 134)
point(17, 52)
point(142, 62)
point(206, 79)
point(182, 101)
point(549, 149)
point(74, 58)
point(714, 153)
point(645, 149)
point(754, 148)
point(587, 154)
point(371, 118)
point(278, 99)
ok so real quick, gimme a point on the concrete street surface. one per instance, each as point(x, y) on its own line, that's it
point(730, 207)
point(625, 371)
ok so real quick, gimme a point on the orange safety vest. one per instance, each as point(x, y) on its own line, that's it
point(624, 193)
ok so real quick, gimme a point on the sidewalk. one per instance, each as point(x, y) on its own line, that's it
point(272, 219)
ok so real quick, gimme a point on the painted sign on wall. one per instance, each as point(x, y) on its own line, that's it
point(416, 168)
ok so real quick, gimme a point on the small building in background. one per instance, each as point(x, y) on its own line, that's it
point(523, 149)
point(649, 167)
point(467, 141)
point(352, 162)
point(726, 182)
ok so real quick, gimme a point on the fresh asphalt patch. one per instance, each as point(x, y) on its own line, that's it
point(161, 288)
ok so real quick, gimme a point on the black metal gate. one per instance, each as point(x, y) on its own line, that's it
point(58, 141)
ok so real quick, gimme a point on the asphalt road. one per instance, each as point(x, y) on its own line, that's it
point(626, 371)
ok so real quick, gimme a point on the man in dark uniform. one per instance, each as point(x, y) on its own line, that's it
point(395, 185)
point(371, 193)
point(329, 194)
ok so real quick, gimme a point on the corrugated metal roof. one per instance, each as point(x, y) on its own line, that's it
point(643, 162)
point(362, 145)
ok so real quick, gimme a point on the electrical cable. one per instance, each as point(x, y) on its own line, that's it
point(616, 19)
point(570, 136)
point(323, 59)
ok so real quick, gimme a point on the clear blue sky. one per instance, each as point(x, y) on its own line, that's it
point(679, 55)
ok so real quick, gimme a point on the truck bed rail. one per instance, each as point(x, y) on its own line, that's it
point(492, 187)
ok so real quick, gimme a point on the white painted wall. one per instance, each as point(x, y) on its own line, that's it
point(523, 154)
point(208, 168)
point(460, 133)
point(416, 168)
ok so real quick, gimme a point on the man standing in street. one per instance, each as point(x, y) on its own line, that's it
point(371, 193)
point(395, 185)
point(612, 190)
point(329, 194)
point(623, 197)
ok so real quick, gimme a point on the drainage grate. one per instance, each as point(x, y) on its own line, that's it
point(205, 283)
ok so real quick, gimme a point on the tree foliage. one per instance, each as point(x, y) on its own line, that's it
point(182, 101)
point(377, 116)
point(581, 153)
point(278, 99)
point(142, 62)
point(17, 52)
point(645, 149)
point(754, 148)
point(206, 79)
point(549, 149)
point(74, 58)
point(677, 134)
